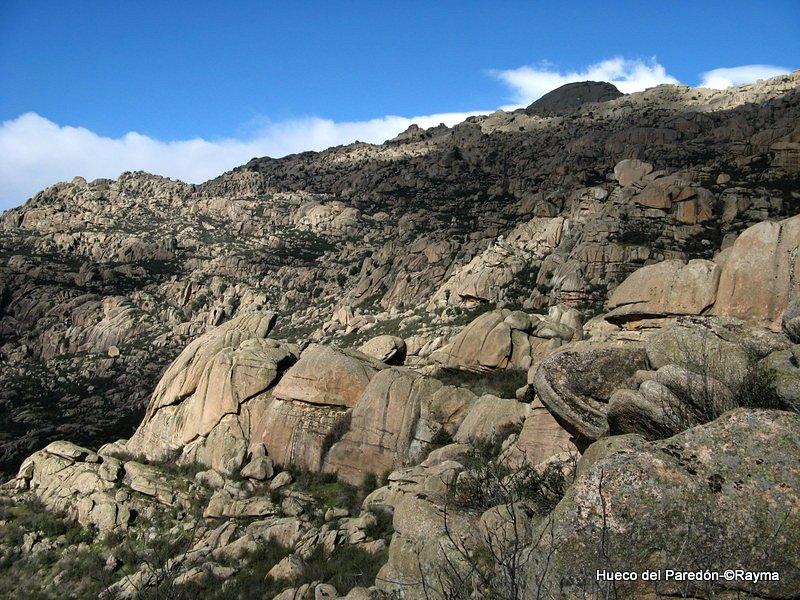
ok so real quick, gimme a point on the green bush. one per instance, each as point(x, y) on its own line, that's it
point(502, 382)
point(327, 489)
point(344, 568)
point(442, 438)
point(370, 484)
point(383, 528)
point(758, 390)
point(489, 482)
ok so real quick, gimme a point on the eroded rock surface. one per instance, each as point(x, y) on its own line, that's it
point(754, 279)
point(386, 430)
point(201, 395)
point(576, 383)
point(327, 377)
point(505, 339)
point(463, 255)
point(760, 272)
point(706, 498)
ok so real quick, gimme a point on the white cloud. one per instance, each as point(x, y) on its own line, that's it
point(35, 152)
point(719, 79)
point(529, 83)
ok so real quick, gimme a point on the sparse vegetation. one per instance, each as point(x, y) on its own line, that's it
point(19, 518)
point(758, 390)
point(329, 490)
point(501, 382)
point(488, 562)
point(249, 581)
point(27, 573)
point(345, 568)
point(638, 232)
point(383, 529)
point(490, 481)
point(491, 484)
point(441, 438)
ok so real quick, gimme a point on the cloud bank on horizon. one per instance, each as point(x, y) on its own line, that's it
point(719, 79)
point(529, 83)
point(36, 152)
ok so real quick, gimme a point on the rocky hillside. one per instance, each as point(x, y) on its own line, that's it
point(481, 361)
point(102, 283)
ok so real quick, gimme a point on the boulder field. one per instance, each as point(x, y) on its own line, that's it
point(486, 361)
point(674, 426)
point(104, 282)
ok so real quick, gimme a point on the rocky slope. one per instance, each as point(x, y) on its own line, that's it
point(537, 337)
point(102, 283)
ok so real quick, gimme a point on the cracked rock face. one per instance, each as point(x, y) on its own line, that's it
point(394, 422)
point(198, 402)
point(91, 488)
point(576, 383)
point(297, 433)
point(184, 375)
point(505, 339)
point(338, 411)
point(761, 272)
point(715, 496)
point(668, 288)
point(754, 279)
point(327, 377)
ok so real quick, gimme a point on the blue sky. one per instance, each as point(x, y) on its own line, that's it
point(189, 89)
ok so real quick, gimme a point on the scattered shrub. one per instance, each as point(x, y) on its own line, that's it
point(383, 528)
point(502, 382)
point(326, 488)
point(442, 438)
point(344, 568)
point(489, 482)
point(758, 390)
point(30, 516)
point(249, 583)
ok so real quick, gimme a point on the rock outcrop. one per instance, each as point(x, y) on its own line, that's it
point(684, 374)
point(491, 419)
point(405, 324)
point(576, 383)
point(386, 348)
point(505, 339)
point(705, 498)
point(93, 489)
point(573, 95)
point(760, 272)
point(200, 406)
point(665, 289)
point(754, 279)
point(540, 439)
point(326, 377)
point(230, 393)
point(394, 423)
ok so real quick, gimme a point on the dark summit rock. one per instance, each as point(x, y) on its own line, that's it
point(572, 95)
point(415, 133)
